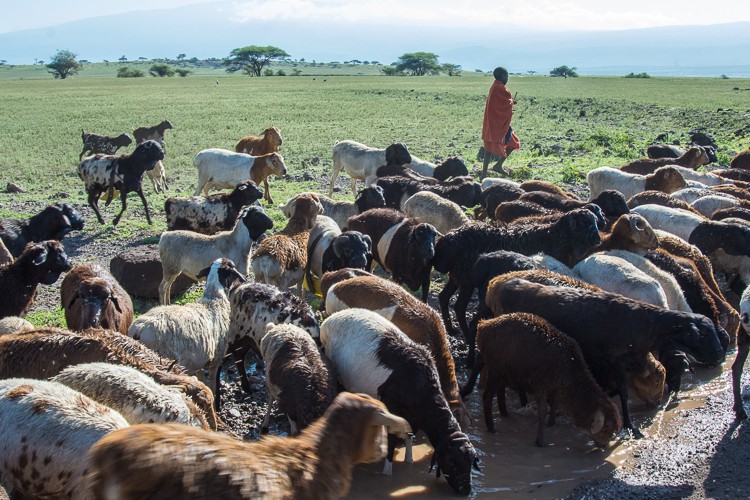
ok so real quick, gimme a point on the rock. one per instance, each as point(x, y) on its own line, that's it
point(14, 188)
point(139, 272)
point(307, 176)
point(314, 160)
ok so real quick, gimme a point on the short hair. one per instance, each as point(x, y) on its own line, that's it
point(501, 74)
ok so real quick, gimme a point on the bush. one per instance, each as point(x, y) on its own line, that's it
point(281, 72)
point(391, 71)
point(637, 75)
point(564, 72)
point(161, 70)
point(126, 72)
point(268, 72)
point(572, 174)
point(296, 72)
point(182, 72)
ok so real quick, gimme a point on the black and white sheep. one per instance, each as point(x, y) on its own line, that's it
point(214, 213)
point(102, 144)
point(40, 263)
point(298, 377)
point(340, 211)
point(123, 173)
point(52, 223)
point(360, 161)
point(462, 191)
point(372, 356)
point(402, 246)
point(328, 249)
point(92, 298)
point(525, 353)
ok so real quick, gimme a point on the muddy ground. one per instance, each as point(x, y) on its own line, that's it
point(693, 448)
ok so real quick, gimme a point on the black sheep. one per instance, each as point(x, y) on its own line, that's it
point(450, 167)
point(461, 191)
point(52, 223)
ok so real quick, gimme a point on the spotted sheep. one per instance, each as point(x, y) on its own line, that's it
point(102, 144)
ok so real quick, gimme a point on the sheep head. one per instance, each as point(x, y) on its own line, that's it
point(422, 240)
point(245, 193)
point(370, 197)
point(580, 227)
point(397, 154)
point(256, 221)
point(94, 294)
point(123, 140)
point(666, 179)
point(276, 163)
point(149, 152)
point(451, 167)
point(353, 249)
point(612, 203)
point(605, 424)
point(648, 383)
point(48, 255)
point(273, 135)
point(455, 458)
point(636, 231)
point(307, 208)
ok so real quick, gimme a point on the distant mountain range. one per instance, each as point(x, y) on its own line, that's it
point(206, 30)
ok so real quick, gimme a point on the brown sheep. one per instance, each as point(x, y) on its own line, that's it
point(281, 258)
point(177, 461)
point(693, 158)
point(630, 232)
point(526, 353)
point(736, 191)
point(268, 142)
point(742, 160)
point(548, 187)
point(92, 298)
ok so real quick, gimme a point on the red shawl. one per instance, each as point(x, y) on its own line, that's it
point(497, 115)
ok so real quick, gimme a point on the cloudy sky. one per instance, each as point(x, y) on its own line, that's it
point(544, 14)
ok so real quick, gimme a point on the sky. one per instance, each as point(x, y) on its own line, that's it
point(484, 14)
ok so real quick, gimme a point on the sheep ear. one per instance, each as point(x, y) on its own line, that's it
point(368, 242)
point(393, 424)
point(116, 303)
point(337, 242)
point(204, 273)
point(598, 422)
point(75, 297)
point(41, 258)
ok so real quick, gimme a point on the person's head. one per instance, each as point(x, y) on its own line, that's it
point(501, 74)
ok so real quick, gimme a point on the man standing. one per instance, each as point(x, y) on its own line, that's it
point(498, 137)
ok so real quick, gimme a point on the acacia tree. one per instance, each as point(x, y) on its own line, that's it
point(564, 72)
point(252, 59)
point(419, 63)
point(63, 64)
point(451, 69)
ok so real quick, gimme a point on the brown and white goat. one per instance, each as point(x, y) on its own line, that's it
point(692, 158)
point(224, 169)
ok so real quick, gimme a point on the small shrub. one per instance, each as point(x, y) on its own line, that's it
point(281, 72)
point(391, 71)
point(296, 72)
point(571, 174)
point(161, 70)
point(182, 72)
point(126, 72)
point(522, 173)
point(268, 72)
point(637, 75)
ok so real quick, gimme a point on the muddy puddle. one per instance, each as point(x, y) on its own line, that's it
point(512, 466)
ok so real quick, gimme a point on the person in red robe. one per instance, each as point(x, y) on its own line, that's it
point(497, 135)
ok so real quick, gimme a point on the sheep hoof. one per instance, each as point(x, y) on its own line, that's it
point(264, 430)
point(740, 413)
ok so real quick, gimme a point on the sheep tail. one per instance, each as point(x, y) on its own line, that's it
point(478, 365)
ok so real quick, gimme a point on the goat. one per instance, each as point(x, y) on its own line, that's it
point(340, 211)
point(95, 143)
point(361, 162)
point(52, 223)
point(92, 298)
point(124, 173)
point(221, 168)
point(268, 142)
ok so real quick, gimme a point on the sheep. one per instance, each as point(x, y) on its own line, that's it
point(214, 213)
point(361, 162)
point(95, 143)
point(743, 346)
point(612, 202)
point(488, 182)
point(741, 160)
point(461, 191)
point(735, 213)
point(417, 320)
point(704, 178)
point(297, 376)
point(734, 174)
point(738, 192)
point(194, 334)
point(133, 394)
point(156, 132)
point(254, 305)
point(44, 353)
point(103, 302)
point(332, 277)
point(328, 249)
point(40, 263)
point(450, 167)
point(13, 324)
point(5, 256)
point(124, 173)
point(666, 179)
point(373, 356)
point(431, 208)
point(659, 198)
point(662, 150)
point(402, 245)
point(340, 211)
point(693, 158)
point(172, 460)
point(526, 353)
point(394, 170)
point(188, 252)
point(546, 186)
point(602, 323)
point(526, 212)
point(281, 258)
point(45, 431)
point(494, 195)
point(569, 239)
point(707, 205)
point(224, 169)
point(267, 142)
point(689, 195)
point(52, 223)
point(680, 248)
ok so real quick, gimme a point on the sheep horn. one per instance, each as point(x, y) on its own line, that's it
point(115, 302)
point(598, 423)
point(393, 424)
point(75, 297)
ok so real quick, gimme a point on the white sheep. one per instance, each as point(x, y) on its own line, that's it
point(361, 162)
point(13, 324)
point(705, 178)
point(224, 169)
point(194, 334)
point(691, 194)
point(491, 181)
point(135, 395)
point(673, 220)
point(433, 209)
point(665, 179)
point(709, 204)
point(46, 429)
point(188, 252)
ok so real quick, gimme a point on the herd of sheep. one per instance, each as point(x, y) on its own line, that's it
point(579, 301)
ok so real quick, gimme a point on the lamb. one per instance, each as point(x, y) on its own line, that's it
point(585, 315)
point(40, 263)
point(297, 376)
point(189, 253)
point(450, 167)
point(92, 298)
point(372, 356)
point(431, 208)
point(267, 142)
point(214, 213)
point(569, 239)
point(693, 158)
point(13, 324)
point(44, 353)
point(45, 431)
point(402, 245)
point(741, 160)
point(194, 334)
point(52, 223)
point(659, 198)
point(123, 173)
point(461, 191)
point(95, 143)
point(526, 353)
point(340, 211)
point(496, 194)
point(328, 249)
point(176, 461)
point(361, 162)
point(133, 394)
point(666, 179)
point(417, 320)
point(281, 259)
point(743, 346)
point(224, 169)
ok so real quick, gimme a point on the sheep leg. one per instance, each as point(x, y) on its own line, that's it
point(426, 288)
point(501, 403)
point(94, 204)
point(444, 298)
point(541, 406)
point(409, 453)
point(743, 346)
point(123, 199)
point(487, 396)
point(334, 175)
point(239, 354)
point(199, 188)
point(462, 303)
point(213, 377)
point(388, 463)
point(145, 205)
point(621, 379)
point(267, 418)
point(552, 411)
point(165, 289)
point(483, 312)
point(354, 186)
point(267, 192)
